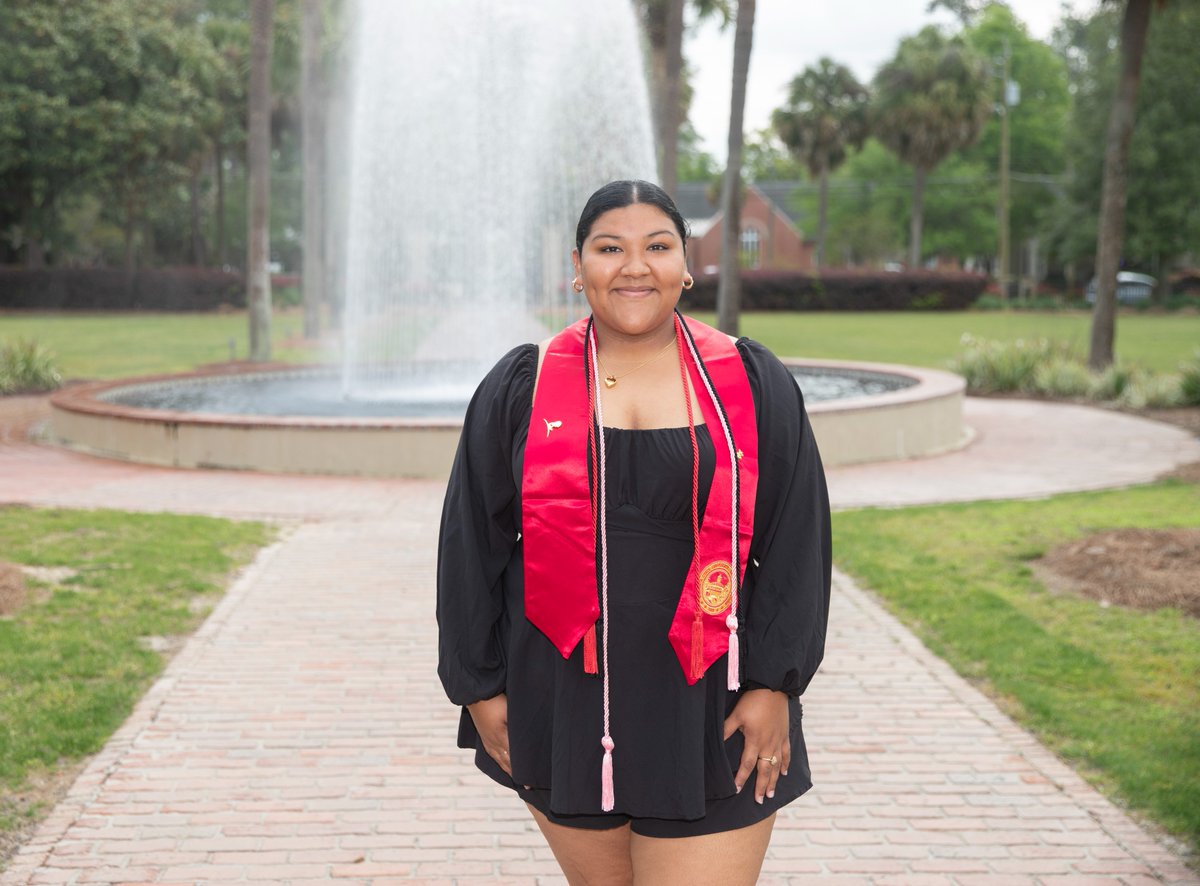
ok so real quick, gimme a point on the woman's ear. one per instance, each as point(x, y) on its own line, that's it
point(575, 262)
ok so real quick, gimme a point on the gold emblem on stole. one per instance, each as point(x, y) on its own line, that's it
point(716, 587)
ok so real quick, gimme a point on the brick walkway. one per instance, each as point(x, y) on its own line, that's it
point(301, 736)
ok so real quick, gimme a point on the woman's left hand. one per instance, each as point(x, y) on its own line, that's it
point(762, 716)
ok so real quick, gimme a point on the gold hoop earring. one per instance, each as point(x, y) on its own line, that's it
point(576, 285)
point(689, 281)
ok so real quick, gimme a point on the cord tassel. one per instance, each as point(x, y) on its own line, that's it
point(697, 646)
point(607, 796)
point(590, 665)
point(734, 664)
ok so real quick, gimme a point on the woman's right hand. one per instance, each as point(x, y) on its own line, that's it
point(491, 722)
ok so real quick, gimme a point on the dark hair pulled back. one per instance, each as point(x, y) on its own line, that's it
point(627, 192)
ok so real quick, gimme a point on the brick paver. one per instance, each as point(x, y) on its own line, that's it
point(301, 736)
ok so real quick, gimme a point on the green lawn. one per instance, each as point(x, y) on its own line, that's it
point(73, 661)
point(1114, 691)
point(1157, 342)
point(115, 345)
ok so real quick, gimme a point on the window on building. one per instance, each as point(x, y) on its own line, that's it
point(751, 248)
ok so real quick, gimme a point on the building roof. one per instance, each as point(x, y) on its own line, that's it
point(692, 200)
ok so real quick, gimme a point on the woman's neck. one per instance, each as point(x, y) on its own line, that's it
point(618, 348)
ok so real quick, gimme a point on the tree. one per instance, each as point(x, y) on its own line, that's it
point(825, 115)
point(258, 278)
point(729, 287)
point(930, 100)
point(313, 98)
point(663, 21)
point(1134, 26)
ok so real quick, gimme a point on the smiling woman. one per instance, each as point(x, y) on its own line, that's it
point(633, 576)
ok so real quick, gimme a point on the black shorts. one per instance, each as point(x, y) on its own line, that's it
point(724, 814)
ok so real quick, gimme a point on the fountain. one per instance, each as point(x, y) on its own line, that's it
point(477, 130)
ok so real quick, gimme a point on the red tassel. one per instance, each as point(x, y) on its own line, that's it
point(607, 795)
point(734, 669)
point(590, 665)
point(697, 646)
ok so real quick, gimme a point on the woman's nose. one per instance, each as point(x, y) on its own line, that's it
point(635, 263)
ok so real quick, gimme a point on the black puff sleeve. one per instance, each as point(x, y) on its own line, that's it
point(788, 577)
point(479, 531)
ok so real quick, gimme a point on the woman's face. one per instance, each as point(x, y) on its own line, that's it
point(632, 268)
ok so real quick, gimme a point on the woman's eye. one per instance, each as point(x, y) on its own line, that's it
point(660, 247)
point(609, 249)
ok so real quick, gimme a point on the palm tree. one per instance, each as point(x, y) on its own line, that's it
point(1116, 174)
point(730, 284)
point(825, 115)
point(930, 100)
point(663, 23)
point(313, 126)
point(258, 243)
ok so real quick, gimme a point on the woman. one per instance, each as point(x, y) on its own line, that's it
point(634, 570)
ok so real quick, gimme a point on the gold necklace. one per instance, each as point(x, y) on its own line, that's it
point(610, 380)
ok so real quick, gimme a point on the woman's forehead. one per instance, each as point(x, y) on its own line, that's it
point(634, 220)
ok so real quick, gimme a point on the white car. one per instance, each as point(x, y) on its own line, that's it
point(1132, 288)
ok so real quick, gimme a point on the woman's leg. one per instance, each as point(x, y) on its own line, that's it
point(729, 858)
point(589, 857)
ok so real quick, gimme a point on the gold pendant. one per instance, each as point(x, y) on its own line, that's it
point(610, 381)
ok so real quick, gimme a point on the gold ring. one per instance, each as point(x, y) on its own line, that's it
point(771, 759)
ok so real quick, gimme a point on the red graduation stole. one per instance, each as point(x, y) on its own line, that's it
point(558, 529)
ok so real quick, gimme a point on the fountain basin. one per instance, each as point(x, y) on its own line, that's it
point(922, 416)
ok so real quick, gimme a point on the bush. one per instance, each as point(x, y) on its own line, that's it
point(26, 367)
point(993, 366)
point(1189, 381)
point(98, 289)
point(1112, 382)
point(1062, 377)
point(843, 290)
point(1159, 391)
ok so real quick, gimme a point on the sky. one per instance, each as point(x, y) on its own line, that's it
point(790, 35)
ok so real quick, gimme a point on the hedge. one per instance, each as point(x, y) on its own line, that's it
point(99, 289)
point(844, 290)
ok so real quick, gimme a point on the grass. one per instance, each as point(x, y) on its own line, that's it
point(115, 345)
point(72, 661)
point(1112, 690)
point(924, 338)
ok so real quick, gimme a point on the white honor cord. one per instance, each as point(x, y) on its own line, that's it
point(606, 741)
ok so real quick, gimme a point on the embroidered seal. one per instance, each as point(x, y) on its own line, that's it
point(716, 587)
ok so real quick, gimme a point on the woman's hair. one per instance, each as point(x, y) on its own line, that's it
point(619, 194)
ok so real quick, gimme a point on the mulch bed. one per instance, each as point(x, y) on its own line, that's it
point(1139, 568)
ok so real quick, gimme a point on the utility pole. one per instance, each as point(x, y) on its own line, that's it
point(1004, 203)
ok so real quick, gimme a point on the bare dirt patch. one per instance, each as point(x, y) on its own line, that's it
point(1139, 568)
point(12, 588)
point(26, 806)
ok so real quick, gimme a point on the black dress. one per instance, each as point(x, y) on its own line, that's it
point(670, 756)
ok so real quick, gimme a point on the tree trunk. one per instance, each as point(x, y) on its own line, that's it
point(35, 253)
point(654, 17)
point(222, 238)
point(917, 220)
point(1116, 173)
point(729, 286)
point(314, 141)
point(258, 140)
point(127, 262)
point(822, 212)
point(199, 250)
point(672, 108)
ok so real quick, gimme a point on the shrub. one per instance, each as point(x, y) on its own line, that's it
point(1062, 377)
point(94, 289)
point(1189, 381)
point(843, 290)
point(993, 366)
point(1112, 382)
point(1159, 391)
point(26, 366)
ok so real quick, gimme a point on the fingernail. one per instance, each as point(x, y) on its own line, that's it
point(758, 800)
point(771, 794)
point(739, 788)
point(785, 772)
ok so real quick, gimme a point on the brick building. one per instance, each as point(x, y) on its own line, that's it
point(770, 239)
